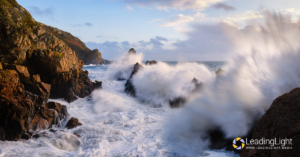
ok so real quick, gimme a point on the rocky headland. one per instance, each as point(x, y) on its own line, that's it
point(37, 64)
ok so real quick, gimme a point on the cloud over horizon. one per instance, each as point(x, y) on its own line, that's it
point(204, 43)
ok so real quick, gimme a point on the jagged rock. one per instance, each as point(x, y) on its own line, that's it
point(280, 121)
point(151, 62)
point(36, 78)
point(72, 123)
point(129, 88)
point(22, 111)
point(132, 51)
point(69, 85)
point(32, 49)
point(97, 84)
point(177, 102)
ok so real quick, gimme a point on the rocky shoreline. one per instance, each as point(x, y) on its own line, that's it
point(35, 65)
point(38, 62)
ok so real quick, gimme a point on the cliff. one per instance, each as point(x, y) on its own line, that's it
point(35, 65)
point(84, 53)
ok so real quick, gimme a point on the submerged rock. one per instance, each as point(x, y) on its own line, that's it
point(280, 121)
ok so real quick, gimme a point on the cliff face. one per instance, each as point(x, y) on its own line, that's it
point(35, 64)
point(42, 50)
point(84, 53)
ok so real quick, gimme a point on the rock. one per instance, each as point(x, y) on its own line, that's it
point(129, 88)
point(72, 123)
point(24, 108)
point(1, 68)
point(32, 58)
point(132, 51)
point(69, 85)
point(151, 62)
point(177, 102)
point(77, 135)
point(280, 121)
point(19, 116)
point(10, 84)
point(97, 84)
point(36, 78)
point(22, 71)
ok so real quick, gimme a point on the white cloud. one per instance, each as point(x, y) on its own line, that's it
point(179, 19)
point(197, 5)
point(129, 7)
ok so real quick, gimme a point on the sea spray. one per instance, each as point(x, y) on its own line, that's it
point(265, 65)
point(121, 68)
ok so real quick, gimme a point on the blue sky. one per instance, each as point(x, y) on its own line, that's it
point(161, 29)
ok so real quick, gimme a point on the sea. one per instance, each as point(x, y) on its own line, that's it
point(114, 125)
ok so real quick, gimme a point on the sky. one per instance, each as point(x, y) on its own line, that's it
point(165, 30)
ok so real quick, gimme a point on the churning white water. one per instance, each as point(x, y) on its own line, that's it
point(264, 65)
point(114, 124)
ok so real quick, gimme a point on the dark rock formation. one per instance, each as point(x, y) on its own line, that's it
point(69, 85)
point(84, 53)
point(72, 123)
point(280, 121)
point(177, 102)
point(44, 51)
point(132, 51)
point(25, 109)
point(151, 62)
point(129, 88)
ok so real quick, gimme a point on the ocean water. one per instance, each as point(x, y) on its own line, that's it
point(114, 124)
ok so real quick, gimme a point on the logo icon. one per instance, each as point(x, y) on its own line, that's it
point(238, 143)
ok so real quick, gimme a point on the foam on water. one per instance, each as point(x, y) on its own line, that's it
point(113, 125)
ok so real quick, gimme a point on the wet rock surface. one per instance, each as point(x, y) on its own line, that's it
point(72, 123)
point(280, 121)
point(23, 110)
point(129, 88)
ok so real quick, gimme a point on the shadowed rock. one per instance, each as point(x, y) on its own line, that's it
point(132, 51)
point(280, 121)
point(72, 123)
point(129, 88)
